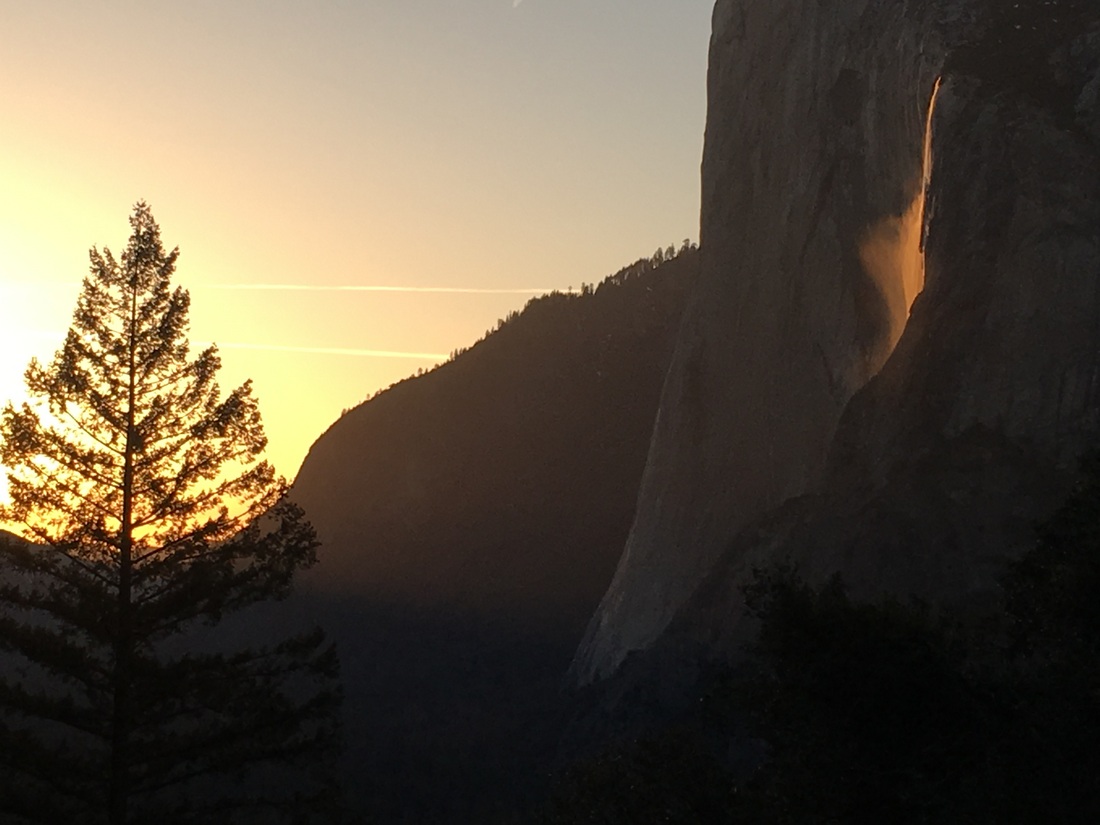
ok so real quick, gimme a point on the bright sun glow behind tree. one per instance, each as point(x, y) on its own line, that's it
point(468, 145)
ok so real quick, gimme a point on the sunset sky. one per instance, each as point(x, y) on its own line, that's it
point(446, 158)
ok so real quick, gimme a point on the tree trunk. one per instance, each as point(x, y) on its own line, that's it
point(119, 783)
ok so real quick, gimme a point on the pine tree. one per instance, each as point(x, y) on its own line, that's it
point(149, 518)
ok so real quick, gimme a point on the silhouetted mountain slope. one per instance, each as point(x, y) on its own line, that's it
point(506, 478)
point(470, 520)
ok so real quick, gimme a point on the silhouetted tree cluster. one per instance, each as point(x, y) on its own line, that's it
point(587, 290)
point(148, 517)
point(887, 713)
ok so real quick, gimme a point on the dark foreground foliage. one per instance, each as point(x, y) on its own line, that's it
point(152, 528)
point(886, 712)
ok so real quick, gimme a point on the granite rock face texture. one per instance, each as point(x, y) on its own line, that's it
point(968, 436)
point(815, 134)
point(1002, 350)
point(1005, 334)
point(968, 433)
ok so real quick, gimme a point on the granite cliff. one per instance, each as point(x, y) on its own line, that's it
point(813, 154)
point(806, 415)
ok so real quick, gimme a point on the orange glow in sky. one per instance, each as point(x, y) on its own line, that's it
point(463, 153)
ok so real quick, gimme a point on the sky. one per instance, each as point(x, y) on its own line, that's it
point(357, 188)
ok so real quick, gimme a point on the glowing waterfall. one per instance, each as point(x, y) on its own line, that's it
point(892, 251)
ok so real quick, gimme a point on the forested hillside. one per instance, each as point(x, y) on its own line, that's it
point(471, 519)
point(504, 479)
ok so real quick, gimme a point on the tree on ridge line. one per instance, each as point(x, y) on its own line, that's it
point(149, 516)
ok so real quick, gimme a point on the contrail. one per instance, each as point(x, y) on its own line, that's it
point(42, 334)
point(354, 288)
point(456, 290)
point(362, 353)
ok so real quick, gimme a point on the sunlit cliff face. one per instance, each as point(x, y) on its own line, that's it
point(892, 251)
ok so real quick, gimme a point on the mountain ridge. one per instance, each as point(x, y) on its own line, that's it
point(470, 519)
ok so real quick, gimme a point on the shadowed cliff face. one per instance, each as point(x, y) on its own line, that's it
point(967, 436)
point(1003, 345)
point(1005, 335)
point(942, 465)
point(814, 140)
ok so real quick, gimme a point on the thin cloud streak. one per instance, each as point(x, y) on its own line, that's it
point(40, 334)
point(361, 353)
point(457, 290)
point(413, 289)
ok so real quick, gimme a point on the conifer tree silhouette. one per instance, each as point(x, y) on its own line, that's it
point(148, 515)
